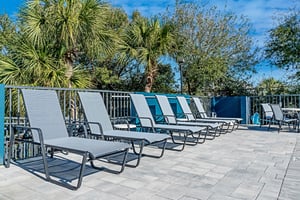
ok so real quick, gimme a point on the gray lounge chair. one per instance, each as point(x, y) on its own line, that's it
point(147, 121)
point(200, 109)
point(170, 118)
point(267, 114)
point(100, 125)
point(281, 119)
point(190, 116)
point(48, 129)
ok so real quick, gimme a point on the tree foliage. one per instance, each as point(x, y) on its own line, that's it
point(146, 40)
point(214, 44)
point(283, 46)
point(271, 86)
point(87, 43)
point(57, 43)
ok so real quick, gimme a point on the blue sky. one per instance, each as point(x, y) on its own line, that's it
point(260, 12)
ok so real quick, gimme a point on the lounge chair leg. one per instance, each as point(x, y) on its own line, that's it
point(203, 139)
point(44, 157)
point(80, 177)
point(164, 142)
point(183, 143)
point(123, 163)
point(139, 154)
point(163, 148)
point(10, 149)
point(84, 159)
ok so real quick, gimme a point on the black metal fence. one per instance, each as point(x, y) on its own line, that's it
point(285, 101)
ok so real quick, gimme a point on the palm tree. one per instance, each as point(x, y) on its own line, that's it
point(271, 86)
point(147, 40)
point(57, 41)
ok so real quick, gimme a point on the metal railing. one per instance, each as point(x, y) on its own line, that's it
point(285, 101)
point(117, 104)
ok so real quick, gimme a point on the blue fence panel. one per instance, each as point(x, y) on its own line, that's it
point(231, 107)
point(2, 107)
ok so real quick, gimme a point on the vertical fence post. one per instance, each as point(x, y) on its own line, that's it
point(2, 107)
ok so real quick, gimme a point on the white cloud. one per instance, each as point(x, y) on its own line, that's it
point(261, 13)
point(147, 8)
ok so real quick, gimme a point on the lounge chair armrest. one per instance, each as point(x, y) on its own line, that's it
point(75, 128)
point(151, 122)
point(166, 118)
point(148, 118)
point(12, 139)
point(200, 114)
point(120, 120)
point(185, 115)
point(188, 114)
point(87, 124)
point(160, 118)
point(25, 128)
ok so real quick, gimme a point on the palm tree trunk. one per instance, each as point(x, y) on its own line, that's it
point(150, 76)
point(69, 74)
point(149, 82)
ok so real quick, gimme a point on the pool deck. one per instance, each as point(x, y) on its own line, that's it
point(250, 163)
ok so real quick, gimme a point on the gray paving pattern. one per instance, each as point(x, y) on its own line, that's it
point(245, 164)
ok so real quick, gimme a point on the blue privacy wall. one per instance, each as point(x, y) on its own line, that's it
point(231, 107)
point(2, 106)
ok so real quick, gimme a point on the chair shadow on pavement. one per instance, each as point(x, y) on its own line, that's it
point(65, 170)
point(272, 129)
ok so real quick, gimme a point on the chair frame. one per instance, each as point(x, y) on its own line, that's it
point(149, 123)
point(268, 115)
point(170, 118)
point(189, 115)
point(127, 135)
point(280, 118)
point(86, 155)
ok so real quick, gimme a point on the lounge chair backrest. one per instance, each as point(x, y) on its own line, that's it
point(95, 111)
point(278, 114)
point(166, 109)
point(267, 110)
point(44, 112)
point(185, 108)
point(142, 109)
point(200, 107)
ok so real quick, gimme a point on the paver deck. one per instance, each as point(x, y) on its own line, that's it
point(244, 164)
